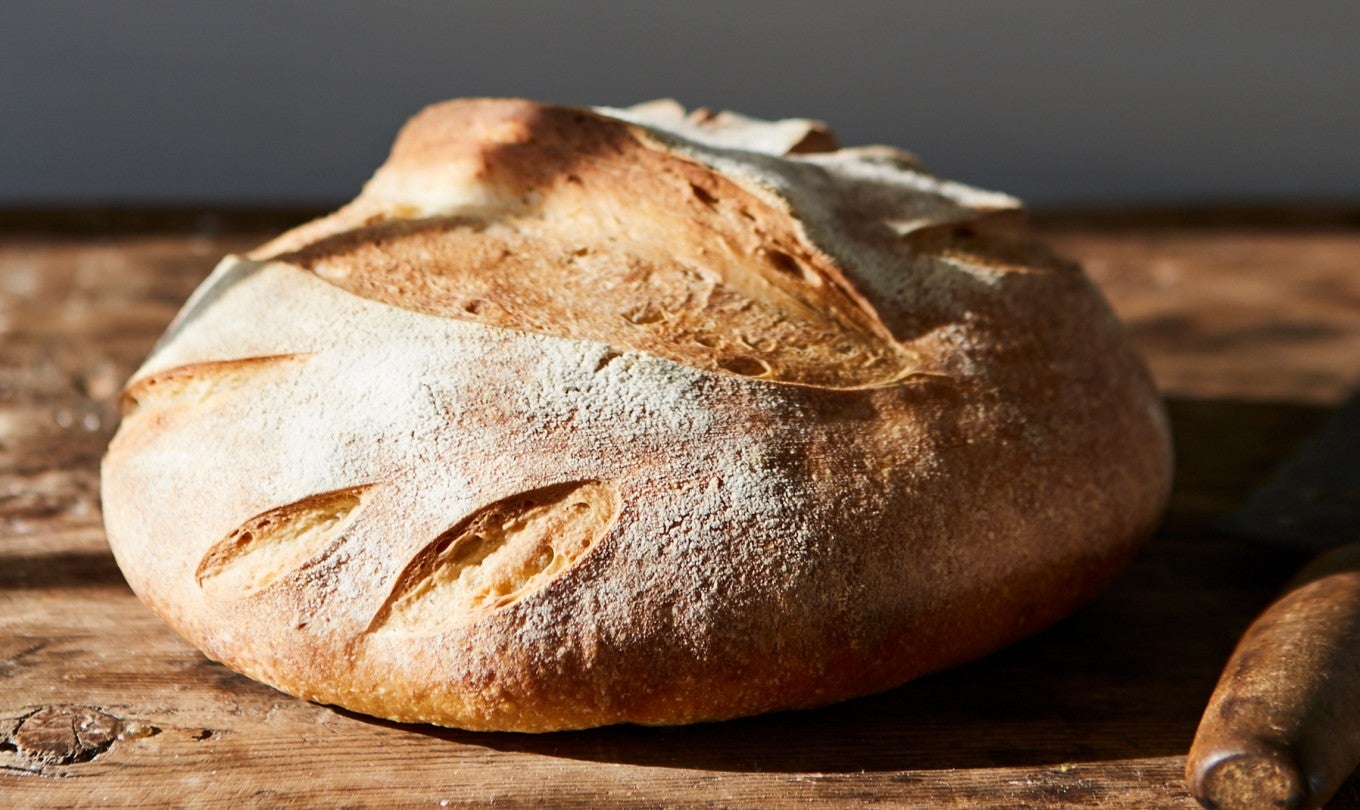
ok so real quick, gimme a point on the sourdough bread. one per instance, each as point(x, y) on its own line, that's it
point(577, 417)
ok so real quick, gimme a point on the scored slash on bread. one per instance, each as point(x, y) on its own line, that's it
point(498, 555)
point(580, 417)
point(583, 231)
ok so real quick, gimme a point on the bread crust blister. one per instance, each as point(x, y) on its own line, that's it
point(577, 417)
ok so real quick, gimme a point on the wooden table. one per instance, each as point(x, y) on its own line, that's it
point(1251, 326)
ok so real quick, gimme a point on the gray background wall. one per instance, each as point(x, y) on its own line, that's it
point(1059, 102)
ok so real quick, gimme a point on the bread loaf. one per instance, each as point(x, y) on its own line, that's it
point(577, 417)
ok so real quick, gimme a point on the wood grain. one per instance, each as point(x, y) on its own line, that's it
point(1253, 331)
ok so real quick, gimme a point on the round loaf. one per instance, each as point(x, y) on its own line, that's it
point(577, 417)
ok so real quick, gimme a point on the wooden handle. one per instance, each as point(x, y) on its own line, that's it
point(1283, 726)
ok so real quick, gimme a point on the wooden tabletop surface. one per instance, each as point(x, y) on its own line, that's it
point(1252, 327)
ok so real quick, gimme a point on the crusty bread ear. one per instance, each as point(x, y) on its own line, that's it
point(601, 237)
point(578, 228)
point(578, 417)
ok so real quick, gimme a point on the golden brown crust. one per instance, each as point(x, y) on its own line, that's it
point(601, 237)
point(788, 430)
